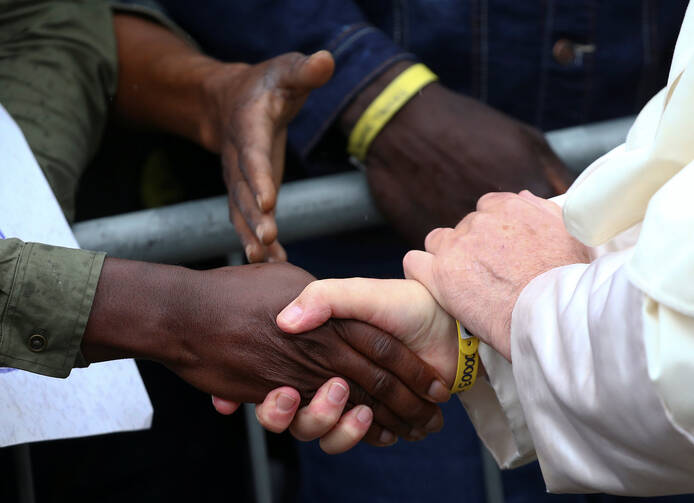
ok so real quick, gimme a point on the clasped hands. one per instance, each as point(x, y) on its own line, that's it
point(473, 272)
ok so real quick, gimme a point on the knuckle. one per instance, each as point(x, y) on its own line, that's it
point(514, 201)
point(431, 237)
point(482, 201)
point(237, 188)
point(468, 219)
point(408, 260)
point(253, 159)
point(291, 58)
point(321, 420)
point(312, 290)
point(383, 384)
point(422, 378)
point(383, 348)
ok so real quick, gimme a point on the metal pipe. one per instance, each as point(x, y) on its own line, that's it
point(198, 230)
point(493, 483)
point(260, 463)
point(201, 229)
point(25, 475)
point(580, 145)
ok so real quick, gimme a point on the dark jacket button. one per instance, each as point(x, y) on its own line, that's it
point(37, 343)
point(563, 52)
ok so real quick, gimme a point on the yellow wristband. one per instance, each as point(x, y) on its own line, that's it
point(386, 104)
point(468, 360)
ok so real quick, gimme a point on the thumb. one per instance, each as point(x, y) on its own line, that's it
point(419, 266)
point(307, 72)
point(309, 310)
point(377, 302)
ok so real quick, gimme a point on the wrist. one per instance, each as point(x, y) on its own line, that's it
point(349, 117)
point(216, 82)
point(136, 313)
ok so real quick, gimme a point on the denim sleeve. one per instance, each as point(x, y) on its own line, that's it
point(46, 295)
point(259, 30)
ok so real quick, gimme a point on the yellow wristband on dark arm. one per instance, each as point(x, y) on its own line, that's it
point(468, 360)
point(381, 110)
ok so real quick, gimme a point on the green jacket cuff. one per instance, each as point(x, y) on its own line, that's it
point(46, 295)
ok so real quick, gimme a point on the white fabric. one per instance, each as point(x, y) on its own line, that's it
point(603, 353)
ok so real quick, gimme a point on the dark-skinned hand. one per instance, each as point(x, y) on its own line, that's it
point(216, 329)
point(249, 108)
point(442, 151)
point(238, 110)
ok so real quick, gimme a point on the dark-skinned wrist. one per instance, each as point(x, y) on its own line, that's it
point(136, 312)
point(352, 113)
point(162, 80)
point(218, 81)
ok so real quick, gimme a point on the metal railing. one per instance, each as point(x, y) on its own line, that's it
point(199, 230)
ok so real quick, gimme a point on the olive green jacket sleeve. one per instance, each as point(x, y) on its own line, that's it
point(46, 295)
point(58, 75)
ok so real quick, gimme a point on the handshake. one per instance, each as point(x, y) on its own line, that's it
point(352, 359)
point(384, 351)
point(393, 347)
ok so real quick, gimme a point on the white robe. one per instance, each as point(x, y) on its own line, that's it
point(601, 389)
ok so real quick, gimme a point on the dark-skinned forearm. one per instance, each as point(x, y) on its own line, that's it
point(135, 312)
point(164, 82)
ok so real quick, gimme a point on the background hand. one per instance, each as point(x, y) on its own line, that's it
point(477, 270)
point(442, 151)
point(249, 108)
point(237, 110)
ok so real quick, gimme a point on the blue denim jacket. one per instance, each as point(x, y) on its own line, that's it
point(552, 64)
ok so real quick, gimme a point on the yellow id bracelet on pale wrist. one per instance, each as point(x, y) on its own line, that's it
point(468, 360)
point(381, 110)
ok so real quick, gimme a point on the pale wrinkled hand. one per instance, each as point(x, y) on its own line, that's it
point(477, 270)
point(250, 107)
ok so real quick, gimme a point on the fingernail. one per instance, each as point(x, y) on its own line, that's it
point(259, 201)
point(435, 424)
point(438, 392)
point(337, 393)
point(292, 315)
point(285, 403)
point(417, 434)
point(259, 231)
point(364, 415)
point(387, 437)
point(248, 249)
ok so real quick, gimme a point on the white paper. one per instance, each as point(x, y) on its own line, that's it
point(103, 398)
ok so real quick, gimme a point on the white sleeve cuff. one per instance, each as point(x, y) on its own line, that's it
point(495, 411)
